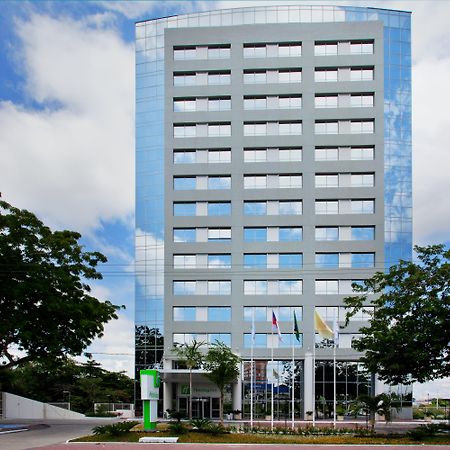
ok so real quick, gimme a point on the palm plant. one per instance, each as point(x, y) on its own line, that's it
point(192, 357)
point(371, 405)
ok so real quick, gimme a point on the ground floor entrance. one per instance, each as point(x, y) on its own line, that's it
point(202, 407)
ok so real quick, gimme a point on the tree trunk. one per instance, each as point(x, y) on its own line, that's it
point(190, 394)
point(221, 407)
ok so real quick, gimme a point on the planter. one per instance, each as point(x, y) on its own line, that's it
point(309, 416)
point(338, 417)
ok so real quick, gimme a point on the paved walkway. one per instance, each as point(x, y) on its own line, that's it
point(108, 446)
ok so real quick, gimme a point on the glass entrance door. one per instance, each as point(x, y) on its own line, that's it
point(201, 408)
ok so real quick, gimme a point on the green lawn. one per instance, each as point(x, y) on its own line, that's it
point(243, 438)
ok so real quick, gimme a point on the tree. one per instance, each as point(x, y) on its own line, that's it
point(222, 367)
point(46, 309)
point(379, 404)
point(192, 356)
point(408, 335)
point(52, 380)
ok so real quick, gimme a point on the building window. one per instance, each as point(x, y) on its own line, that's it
point(217, 261)
point(219, 234)
point(340, 287)
point(255, 181)
point(273, 102)
point(290, 287)
point(184, 183)
point(284, 154)
point(219, 156)
point(255, 287)
point(184, 261)
point(327, 181)
point(362, 179)
point(344, 153)
point(363, 260)
point(290, 260)
point(181, 314)
point(184, 157)
point(255, 208)
point(254, 234)
point(363, 233)
point(185, 209)
point(263, 76)
point(219, 287)
point(290, 234)
point(201, 78)
point(334, 74)
point(219, 208)
point(362, 100)
point(201, 52)
point(283, 50)
point(361, 126)
point(288, 208)
point(327, 233)
point(343, 48)
point(326, 127)
point(184, 131)
point(219, 78)
point(255, 129)
point(287, 128)
point(255, 261)
point(219, 182)
point(184, 235)
point(326, 101)
point(264, 313)
point(327, 207)
point(219, 314)
point(188, 338)
point(184, 287)
point(219, 129)
point(327, 260)
point(362, 206)
point(290, 181)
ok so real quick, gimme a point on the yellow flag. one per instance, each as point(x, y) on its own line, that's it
point(321, 327)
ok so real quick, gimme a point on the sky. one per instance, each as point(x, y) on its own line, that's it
point(67, 130)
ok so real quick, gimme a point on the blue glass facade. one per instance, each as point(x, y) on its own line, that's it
point(151, 207)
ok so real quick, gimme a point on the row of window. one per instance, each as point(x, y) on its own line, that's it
point(263, 340)
point(272, 154)
point(263, 313)
point(274, 234)
point(268, 287)
point(273, 207)
point(275, 260)
point(273, 181)
point(274, 128)
point(268, 76)
point(273, 50)
point(254, 102)
point(251, 234)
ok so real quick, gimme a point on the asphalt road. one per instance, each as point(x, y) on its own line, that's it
point(44, 433)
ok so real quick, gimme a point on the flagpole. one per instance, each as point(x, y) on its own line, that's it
point(314, 380)
point(334, 385)
point(271, 384)
point(251, 370)
point(293, 380)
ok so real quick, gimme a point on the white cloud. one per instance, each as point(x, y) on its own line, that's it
point(432, 389)
point(138, 9)
point(115, 350)
point(71, 162)
point(431, 158)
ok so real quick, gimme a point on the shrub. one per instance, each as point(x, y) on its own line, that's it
point(200, 425)
point(216, 429)
point(114, 429)
point(428, 430)
point(177, 428)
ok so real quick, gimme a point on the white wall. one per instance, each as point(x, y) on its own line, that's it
point(16, 407)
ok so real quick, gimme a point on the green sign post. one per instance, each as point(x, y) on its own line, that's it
point(150, 382)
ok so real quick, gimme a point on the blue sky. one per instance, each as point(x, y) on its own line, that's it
point(67, 129)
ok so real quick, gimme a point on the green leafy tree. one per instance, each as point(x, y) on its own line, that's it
point(222, 367)
point(54, 380)
point(192, 356)
point(46, 307)
point(408, 336)
point(370, 405)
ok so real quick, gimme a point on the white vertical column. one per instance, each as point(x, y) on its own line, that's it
point(308, 382)
point(237, 391)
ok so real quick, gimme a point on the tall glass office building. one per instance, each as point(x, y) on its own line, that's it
point(273, 170)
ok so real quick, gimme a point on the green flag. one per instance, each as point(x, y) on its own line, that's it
point(296, 331)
